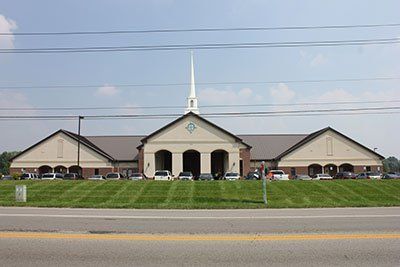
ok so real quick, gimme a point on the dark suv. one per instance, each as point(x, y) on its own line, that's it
point(72, 176)
point(345, 175)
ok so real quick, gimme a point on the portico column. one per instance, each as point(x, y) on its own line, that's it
point(149, 164)
point(234, 162)
point(205, 163)
point(177, 163)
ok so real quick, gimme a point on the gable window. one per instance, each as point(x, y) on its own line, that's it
point(191, 103)
point(60, 148)
point(329, 146)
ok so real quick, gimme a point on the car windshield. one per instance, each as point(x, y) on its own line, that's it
point(323, 175)
point(373, 174)
point(25, 175)
point(69, 175)
point(112, 175)
point(96, 176)
point(161, 174)
point(230, 174)
point(205, 175)
point(136, 175)
point(48, 175)
point(185, 174)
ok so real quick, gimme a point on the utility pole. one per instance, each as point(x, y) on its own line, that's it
point(79, 142)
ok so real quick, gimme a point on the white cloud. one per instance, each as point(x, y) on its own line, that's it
point(318, 60)
point(107, 90)
point(7, 26)
point(338, 95)
point(9, 99)
point(281, 93)
point(214, 96)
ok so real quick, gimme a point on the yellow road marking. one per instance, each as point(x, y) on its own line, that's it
point(174, 237)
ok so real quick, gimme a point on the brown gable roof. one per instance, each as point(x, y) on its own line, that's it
point(121, 148)
point(269, 146)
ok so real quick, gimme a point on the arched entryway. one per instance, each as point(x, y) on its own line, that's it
point(314, 169)
point(163, 160)
point(75, 169)
point(45, 169)
point(331, 169)
point(60, 169)
point(191, 162)
point(219, 163)
point(346, 167)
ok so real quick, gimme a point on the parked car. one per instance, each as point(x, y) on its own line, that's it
point(7, 177)
point(277, 175)
point(137, 176)
point(185, 176)
point(72, 176)
point(252, 176)
point(231, 176)
point(29, 176)
point(206, 177)
point(368, 175)
point(322, 176)
point(345, 175)
point(97, 177)
point(391, 175)
point(114, 176)
point(302, 177)
point(163, 175)
point(52, 176)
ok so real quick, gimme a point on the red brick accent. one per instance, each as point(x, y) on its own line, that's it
point(87, 172)
point(140, 160)
point(358, 169)
point(245, 156)
point(26, 170)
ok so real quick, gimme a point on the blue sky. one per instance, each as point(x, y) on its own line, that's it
point(110, 69)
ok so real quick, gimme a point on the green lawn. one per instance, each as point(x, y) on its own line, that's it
point(203, 194)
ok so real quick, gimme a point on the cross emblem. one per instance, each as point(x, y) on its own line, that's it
point(191, 127)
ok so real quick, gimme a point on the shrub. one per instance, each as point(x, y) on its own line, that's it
point(16, 176)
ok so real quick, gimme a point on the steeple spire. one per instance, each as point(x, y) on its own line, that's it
point(192, 99)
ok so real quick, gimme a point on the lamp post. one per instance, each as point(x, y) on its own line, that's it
point(79, 143)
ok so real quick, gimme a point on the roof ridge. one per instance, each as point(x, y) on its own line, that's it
point(138, 135)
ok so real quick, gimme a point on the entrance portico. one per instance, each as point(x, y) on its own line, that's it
point(195, 145)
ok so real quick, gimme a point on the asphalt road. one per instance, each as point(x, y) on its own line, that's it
point(297, 237)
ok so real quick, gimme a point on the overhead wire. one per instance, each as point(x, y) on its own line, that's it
point(146, 31)
point(62, 86)
point(200, 46)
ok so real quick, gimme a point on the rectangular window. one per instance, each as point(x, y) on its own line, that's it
point(368, 168)
point(96, 171)
point(60, 148)
point(329, 146)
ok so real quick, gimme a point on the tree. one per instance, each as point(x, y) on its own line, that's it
point(5, 161)
point(391, 164)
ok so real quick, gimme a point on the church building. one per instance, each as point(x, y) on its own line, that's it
point(192, 143)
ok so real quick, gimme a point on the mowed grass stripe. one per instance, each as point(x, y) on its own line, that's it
point(204, 194)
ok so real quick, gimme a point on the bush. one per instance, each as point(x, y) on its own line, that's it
point(16, 176)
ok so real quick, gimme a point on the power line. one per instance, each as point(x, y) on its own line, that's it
point(219, 114)
point(204, 106)
point(61, 86)
point(134, 48)
point(201, 30)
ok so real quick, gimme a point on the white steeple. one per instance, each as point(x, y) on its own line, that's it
point(192, 99)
